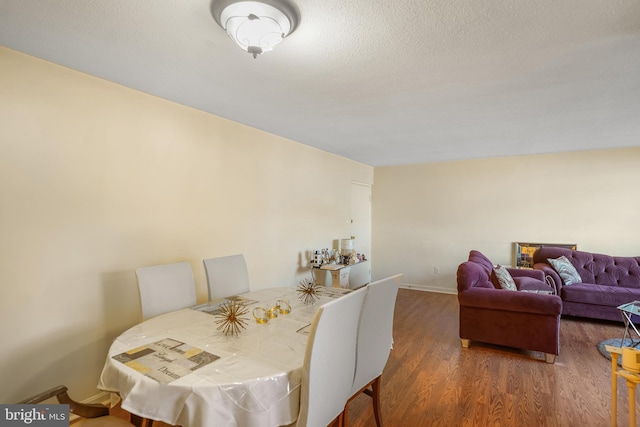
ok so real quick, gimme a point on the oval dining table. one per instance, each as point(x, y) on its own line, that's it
point(182, 369)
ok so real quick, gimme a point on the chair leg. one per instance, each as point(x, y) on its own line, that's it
point(375, 385)
point(136, 420)
point(345, 413)
point(337, 421)
point(139, 421)
point(374, 393)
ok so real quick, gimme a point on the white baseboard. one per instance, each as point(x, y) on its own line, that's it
point(103, 398)
point(429, 289)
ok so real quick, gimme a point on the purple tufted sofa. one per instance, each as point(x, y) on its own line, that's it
point(517, 319)
point(607, 282)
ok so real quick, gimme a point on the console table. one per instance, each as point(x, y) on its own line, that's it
point(347, 275)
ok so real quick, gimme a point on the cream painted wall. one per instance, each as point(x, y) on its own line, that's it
point(431, 215)
point(97, 180)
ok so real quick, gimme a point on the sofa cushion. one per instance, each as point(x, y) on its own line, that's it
point(504, 278)
point(531, 284)
point(566, 270)
point(587, 293)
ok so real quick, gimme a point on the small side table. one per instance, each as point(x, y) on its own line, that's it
point(628, 310)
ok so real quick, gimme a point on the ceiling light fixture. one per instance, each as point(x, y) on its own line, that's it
point(256, 26)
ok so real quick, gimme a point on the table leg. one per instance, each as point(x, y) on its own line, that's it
point(628, 325)
point(340, 277)
point(614, 390)
point(626, 321)
point(632, 402)
point(335, 278)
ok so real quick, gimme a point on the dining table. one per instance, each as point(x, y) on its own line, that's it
point(181, 367)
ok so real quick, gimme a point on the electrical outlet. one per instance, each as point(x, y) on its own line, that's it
point(436, 270)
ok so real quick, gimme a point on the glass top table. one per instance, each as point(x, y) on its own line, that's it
point(628, 311)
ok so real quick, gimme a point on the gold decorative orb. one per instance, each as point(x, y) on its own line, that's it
point(308, 291)
point(230, 318)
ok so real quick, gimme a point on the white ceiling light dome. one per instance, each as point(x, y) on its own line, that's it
point(256, 26)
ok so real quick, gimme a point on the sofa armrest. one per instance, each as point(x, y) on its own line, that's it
point(519, 272)
point(498, 299)
point(551, 275)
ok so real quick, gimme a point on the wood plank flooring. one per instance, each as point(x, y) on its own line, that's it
point(430, 380)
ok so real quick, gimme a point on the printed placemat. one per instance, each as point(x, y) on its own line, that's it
point(334, 292)
point(166, 360)
point(213, 307)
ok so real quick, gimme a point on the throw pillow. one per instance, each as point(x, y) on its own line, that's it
point(566, 270)
point(504, 278)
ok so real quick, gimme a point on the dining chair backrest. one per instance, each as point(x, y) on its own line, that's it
point(329, 362)
point(375, 331)
point(226, 276)
point(164, 288)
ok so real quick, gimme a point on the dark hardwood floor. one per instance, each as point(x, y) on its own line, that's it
point(430, 380)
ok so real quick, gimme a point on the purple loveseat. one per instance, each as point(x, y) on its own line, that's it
point(607, 282)
point(517, 319)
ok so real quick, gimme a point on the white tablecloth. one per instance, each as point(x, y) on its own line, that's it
point(255, 382)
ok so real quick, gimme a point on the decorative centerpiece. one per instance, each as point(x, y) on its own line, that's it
point(308, 291)
point(230, 319)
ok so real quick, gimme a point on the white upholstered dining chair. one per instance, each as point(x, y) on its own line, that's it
point(329, 362)
point(375, 339)
point(166, 287)
point(226, 276)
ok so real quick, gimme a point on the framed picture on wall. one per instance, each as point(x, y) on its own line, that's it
point(523, 252)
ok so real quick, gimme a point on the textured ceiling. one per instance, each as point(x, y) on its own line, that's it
point(380, 82)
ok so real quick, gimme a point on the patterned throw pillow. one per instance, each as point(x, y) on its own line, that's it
point(566, 270)
point(505, 279)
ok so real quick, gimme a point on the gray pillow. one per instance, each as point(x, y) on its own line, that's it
point(566, 270)
point(504, 278)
